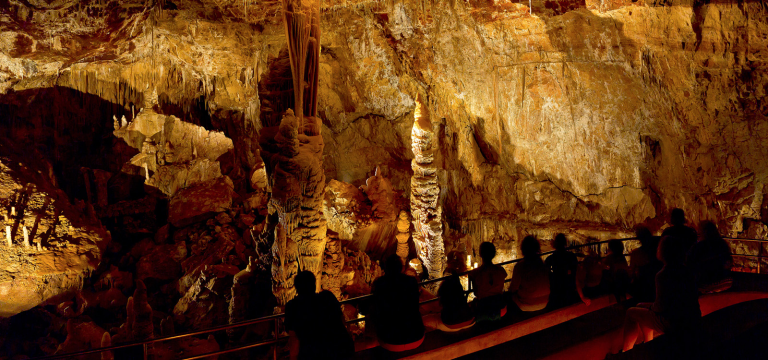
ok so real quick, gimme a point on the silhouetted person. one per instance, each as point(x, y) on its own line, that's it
point(530, 278)
point(316, 321)
point(676, 308)
point(562, 265)
point(616, 270)
point(589, 275)
point(643, 266)
point(395, 314)
point(710, 260)
point(456, 313)
point(685, 234)
point(487, 281)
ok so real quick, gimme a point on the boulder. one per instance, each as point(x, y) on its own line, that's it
point(201, 201)
point(85, 335)
point(161, 263)
point(202, 307)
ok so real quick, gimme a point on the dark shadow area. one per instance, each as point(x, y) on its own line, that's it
point(71, 129)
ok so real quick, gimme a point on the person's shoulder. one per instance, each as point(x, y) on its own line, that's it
point(326, 295)
point(409, 279)
point(379, 280)
point(292, 304)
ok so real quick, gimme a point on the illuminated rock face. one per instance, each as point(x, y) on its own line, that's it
point(425, 195)
point(587, 117)
point(71, 239)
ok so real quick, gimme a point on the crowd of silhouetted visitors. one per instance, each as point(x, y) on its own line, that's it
point(663, 277)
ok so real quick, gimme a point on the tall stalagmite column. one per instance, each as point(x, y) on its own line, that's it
point(298, 180)
point(425, 192)
point(403, 227)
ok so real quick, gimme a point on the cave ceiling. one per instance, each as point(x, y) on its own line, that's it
point(576, 116)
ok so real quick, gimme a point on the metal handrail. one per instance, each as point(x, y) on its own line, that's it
point(275, 317)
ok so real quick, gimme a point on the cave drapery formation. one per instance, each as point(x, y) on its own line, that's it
point(148, 155)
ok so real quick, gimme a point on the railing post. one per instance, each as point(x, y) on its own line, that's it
point(274, 349)
point(145, 348)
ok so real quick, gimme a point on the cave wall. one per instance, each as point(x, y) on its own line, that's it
point(585, 117)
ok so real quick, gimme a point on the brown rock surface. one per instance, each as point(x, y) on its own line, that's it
point(71, 242)
point(201, 201)
point(584, 117)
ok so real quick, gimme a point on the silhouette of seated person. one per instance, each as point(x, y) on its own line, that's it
point(643, 266)
point(676, 307)
point(316, 322)
point(589, 275)
point(710, 260)
point(530, 278)
point(456, 313)
point(395, 314)
point(679, 230)
point(616, 275)
point(562, 265)
point(487, 282)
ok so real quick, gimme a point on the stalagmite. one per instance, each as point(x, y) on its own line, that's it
point(13, 211)
point(8, 236)
point(298, 177)
point(123, 122)
point(146, 172)
point(106, 341)
point(425, 193)
point(403, 234)
point(26, 236)
point(115, 123)
point(238, 305)
point(285, 265)
point(39, 246)
point(140, 316)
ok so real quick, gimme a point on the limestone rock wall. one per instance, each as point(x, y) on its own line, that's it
point(48, 246)
point(584, 117)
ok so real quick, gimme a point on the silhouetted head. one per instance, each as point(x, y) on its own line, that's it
point(530, 247)
point(677, 217)
point(671, 250)
point(304, 282)
point(393, 265)
point(644, 235)
point(708, 231)
point(616, 246)
point(560, 242)
point(487, 252)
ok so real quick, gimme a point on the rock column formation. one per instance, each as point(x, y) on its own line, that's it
point(298, 179)
point(238, 305)
point(403, 233)
point(425, 193)
point(297, 197)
